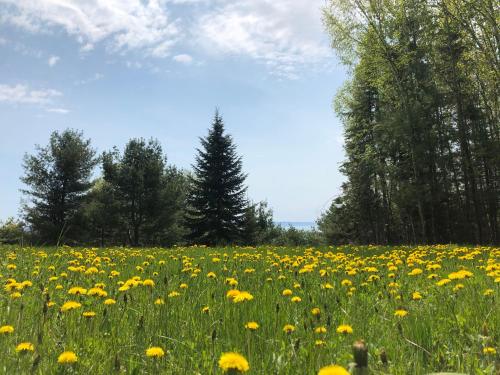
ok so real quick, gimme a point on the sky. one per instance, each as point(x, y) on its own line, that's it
point(121, 69)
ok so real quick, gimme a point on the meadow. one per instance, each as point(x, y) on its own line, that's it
point(418, 310)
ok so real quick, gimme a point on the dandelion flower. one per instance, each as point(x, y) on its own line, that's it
point(109, 301)
point(233, 362)
point(67, 358)
point(320, 329)
point(25, 347)
point(488, 350)
point(252, 326)
point(288, 328)
point(88, 314)
point(155, 352)
point(344, 329)
point(243, 296)
point(70, 305)
point(6, 329)
point(287, 292)
point(296, 299)
point(400, 313)
point(333, 370)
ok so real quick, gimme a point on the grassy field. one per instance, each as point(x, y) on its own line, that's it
point(418, 309)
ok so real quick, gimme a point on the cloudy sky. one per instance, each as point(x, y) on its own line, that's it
point(118, 69)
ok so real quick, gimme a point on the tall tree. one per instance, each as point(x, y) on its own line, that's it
point(58, 178)
point(216, 202)
point(136, 177)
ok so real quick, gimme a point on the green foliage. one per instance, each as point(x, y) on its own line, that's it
point(11, 231)
point(420, 115)
point(57, 179)
point(216, 201)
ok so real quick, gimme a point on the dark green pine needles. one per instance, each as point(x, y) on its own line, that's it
point(216, 202)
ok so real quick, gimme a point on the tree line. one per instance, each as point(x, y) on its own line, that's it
point(138, 198)
point(421, 121)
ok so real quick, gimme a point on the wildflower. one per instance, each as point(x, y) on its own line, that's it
point(400, 313)
point(148, 282)
point(6, 329)
point(159, 301)
point(77, 291)
point(287, 292)
point(320, 329)
point(319, 343)
point(488, 350)
point(15, 295)
point(443, 282)
point(231, 294)
point(288, 328)
point(252, 326)
point(211, 275)
point(205, 310)
point(333, 370)
point(344, 329)
point(488, 292)
point(316, 311)
point(243, 296)
point(88, 314)
point(67, 357)
point(416, 296)
point(346, 282)
point(25, 347)
point(173, 294)
point(109, 301)
point(183, 286)
point(233, 362)
point(296, 299)
point(70, 305)
point(155, 352)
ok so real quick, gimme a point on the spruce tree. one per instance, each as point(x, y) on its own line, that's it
point(216, 202)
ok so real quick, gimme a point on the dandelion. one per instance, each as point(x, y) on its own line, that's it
point(416, 296)
point(67, 357)
point(400, 313)
point(488, 292)
point(252, 326)
point(233, 362)
point(77, 291)
point(344, 329)
point(211, 275)
point(296, 299)
point(25, 347)
point(286, 292)
point(288, 328)
point(6, 329)
point(155, 352)
point(148, 282)
point(316, 311)
point(70, 305)
point(319, 343)
point(205, 310)
point(320, 329)
point(333, 370)
point(88, 314)
point(109, 301)
point(488, 350)
point(159, 301)
point(243, 296)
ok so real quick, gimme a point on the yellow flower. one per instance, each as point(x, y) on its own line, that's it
point(231, 294)
point(148, 282)
point(287, 292)
point(67, 358)
point(296, 299)
point(488, 350)
point(211, 275)
point(488, 292)
point(320, 329)
point(155, 352)
point(333, 370)
point(88, 314)
point(316, 311)
point(70, 305)
point(243, 296)
point(252, 326)
point(77, 290)
point(288, 328)
point(205, 309)
point(233, 362)
point(6, 329)
point(416, 296)
point(319, 343)
point(344, 329)
point(25, 347)
point(159, 301)
point(400, 313)
point(109, 301)
point(173, 294)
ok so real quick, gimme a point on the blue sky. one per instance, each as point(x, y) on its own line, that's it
point(118, 69)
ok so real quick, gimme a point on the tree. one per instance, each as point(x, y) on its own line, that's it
point(137, 179)
point(58, 178)
point(11, 232)
point(216, 201)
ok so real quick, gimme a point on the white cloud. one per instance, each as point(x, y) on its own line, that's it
point(183, 58)
point(123, 24)
point(61, 111)
point(22, 94)
point(53, 60)
point(95, 77)
point(280, 33)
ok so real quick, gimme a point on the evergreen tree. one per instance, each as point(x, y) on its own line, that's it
point(58, 178)
point(216, 202)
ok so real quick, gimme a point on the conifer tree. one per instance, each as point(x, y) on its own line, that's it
point(216, 202)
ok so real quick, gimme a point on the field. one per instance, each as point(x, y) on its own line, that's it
point(418, 309)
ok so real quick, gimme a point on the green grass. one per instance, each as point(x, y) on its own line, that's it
point(445, 331)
